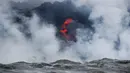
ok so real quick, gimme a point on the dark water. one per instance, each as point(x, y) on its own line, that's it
point(65, 66)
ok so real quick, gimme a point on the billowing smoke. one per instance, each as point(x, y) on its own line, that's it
point(111, 23)
point(33, 37)
point(15, 47)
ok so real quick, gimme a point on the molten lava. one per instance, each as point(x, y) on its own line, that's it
point(64, 29)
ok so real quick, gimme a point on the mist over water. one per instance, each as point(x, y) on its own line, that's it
point(110, 38)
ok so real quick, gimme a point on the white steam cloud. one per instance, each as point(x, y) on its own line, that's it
point(15, 47)
point(43, 46)
point(111, 23)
